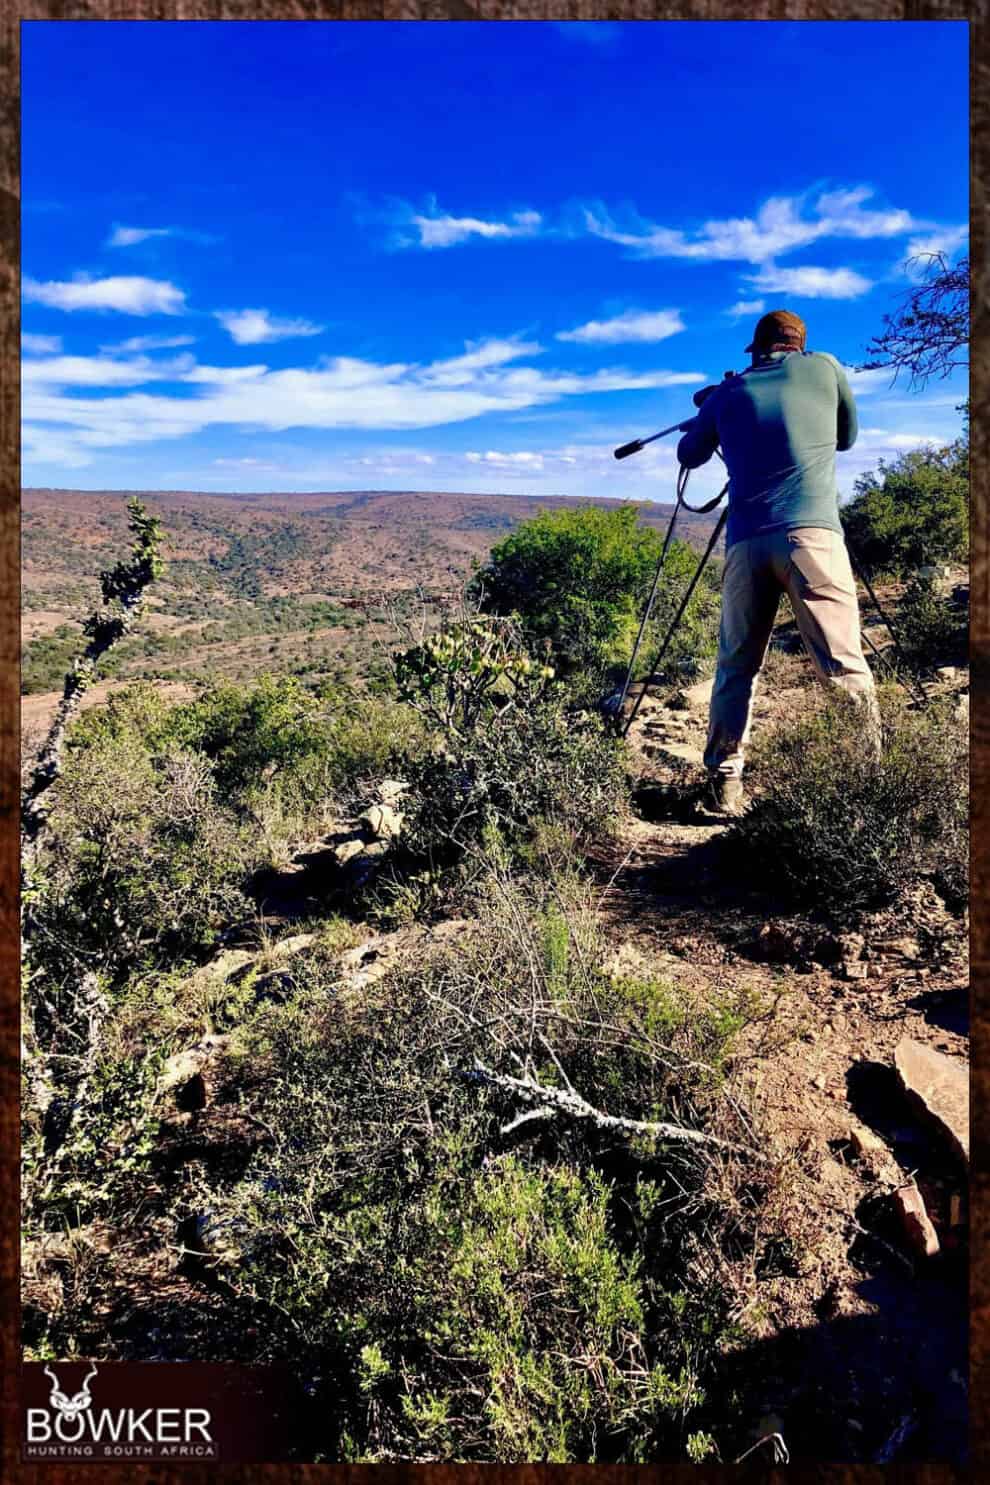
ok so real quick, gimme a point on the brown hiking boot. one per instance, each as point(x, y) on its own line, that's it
point(725, 795)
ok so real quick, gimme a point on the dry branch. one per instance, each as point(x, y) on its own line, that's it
point(567, 1102)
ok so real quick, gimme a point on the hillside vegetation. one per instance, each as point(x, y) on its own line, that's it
point(429, 1038)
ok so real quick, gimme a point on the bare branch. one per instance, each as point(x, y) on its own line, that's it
point(572, 1104)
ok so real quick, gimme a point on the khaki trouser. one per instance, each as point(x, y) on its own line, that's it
point(812, 566)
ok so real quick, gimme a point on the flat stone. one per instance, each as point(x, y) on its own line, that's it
point(682, 752)
point(939, 1087)
point(915, 1221)
point(698, 697)
point(855, 969)
point(294, 944)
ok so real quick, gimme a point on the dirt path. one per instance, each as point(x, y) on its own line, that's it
point(861, 1327)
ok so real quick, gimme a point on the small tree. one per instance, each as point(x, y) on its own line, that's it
point(929, 334)
point(123, 588)
point(577, 579)
point(912, 511)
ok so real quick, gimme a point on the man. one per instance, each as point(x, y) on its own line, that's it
point(779, 424)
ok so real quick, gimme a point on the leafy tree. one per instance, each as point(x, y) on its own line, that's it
point(912, 511)
point(577, 580)
point(929, 334)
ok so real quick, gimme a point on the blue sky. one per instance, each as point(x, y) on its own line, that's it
point(449, 256)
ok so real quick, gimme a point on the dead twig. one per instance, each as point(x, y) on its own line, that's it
point(575, 1107)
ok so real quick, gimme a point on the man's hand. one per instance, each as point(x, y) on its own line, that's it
point(705, 392)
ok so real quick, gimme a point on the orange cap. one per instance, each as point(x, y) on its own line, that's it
point(780, 325)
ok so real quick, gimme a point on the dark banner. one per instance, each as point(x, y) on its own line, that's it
point(191, 1412)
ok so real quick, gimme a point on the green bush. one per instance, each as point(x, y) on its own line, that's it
point(913, 511)
point(512, 755)
point(931, 626)
point(452, 1287)
point(832, 827)
point(578, 580)
point(142, 862)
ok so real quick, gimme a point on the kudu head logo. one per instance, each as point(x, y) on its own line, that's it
point(70, 1407)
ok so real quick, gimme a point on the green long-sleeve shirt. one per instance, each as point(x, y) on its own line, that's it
point(779, 424)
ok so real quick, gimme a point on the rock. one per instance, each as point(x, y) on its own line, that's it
point(939, 1086)
point(778, 942)
point(698, 697)
point(947, 673)
point(915, 1221)
point(383, 822)
point(294, 944)
point(390, 791)
point(864, 1142)
point(907, 948)
point(350, 848)
point(183, 1077)
point(820, 1081)
point(855, 969)
point(681, 753)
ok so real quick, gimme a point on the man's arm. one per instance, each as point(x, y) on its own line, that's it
point(848, 422)
point(701, 439)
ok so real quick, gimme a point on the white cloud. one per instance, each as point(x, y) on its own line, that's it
point(41, 345)
point(778, 227)
point(812, 283)
point(130, 236)
point(341, 392)
point(440, 231)
point(633, 326)
point(134, 296)
point(747, 307)
point(102, 371)
point(254, 326)
point(122, 236)
point(843, 216)
point(139, 343)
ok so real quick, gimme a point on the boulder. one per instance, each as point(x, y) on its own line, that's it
point(383, 822)
point(915, 1221)
point(938, 1086)
point(184, 1077)
point(390, 791)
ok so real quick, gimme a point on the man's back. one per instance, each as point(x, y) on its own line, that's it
point(779, 424)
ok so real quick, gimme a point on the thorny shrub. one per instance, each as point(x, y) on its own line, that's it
point(453, 1281)
point(833, 827)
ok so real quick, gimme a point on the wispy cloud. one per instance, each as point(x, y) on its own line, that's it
point(127, 295)
point(102, 371)
point(633, 326)
point(812, 283)
point(341, 392)
point(441, 231)
point(122, 236)
point(139, 343)
point(41, 345)
point(746, 307)
point(430, 226)
point(780, 226)
point(131, 236)
point(255, 326)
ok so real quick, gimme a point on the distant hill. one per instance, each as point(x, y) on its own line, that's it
point(278, 581)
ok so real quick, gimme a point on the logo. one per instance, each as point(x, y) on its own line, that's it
point(70, 1406)
point(71, 1428)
